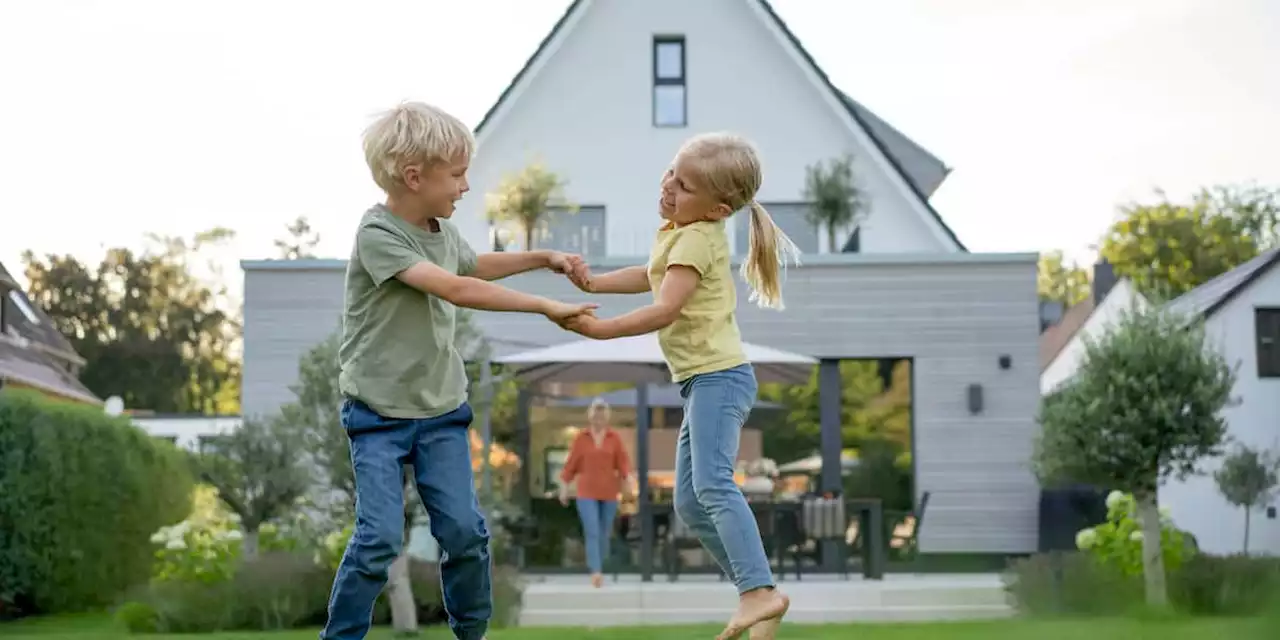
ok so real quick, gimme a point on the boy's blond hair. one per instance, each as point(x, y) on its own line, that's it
point(729, 166)
point(413, 133)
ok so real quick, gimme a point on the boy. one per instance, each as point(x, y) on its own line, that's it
point(401, 375)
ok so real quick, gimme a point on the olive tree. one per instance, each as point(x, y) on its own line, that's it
point(1248, 478)
point(1144, 406)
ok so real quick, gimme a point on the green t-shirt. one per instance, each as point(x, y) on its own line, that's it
point(398, 354)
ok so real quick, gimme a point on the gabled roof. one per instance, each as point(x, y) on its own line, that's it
point(1056, 338)
point(919, 170)
point(32, 351)
point(1208, 298)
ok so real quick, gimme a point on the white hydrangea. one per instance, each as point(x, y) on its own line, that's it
point(1114, 499)
point(1136, 536)
point(1086, 538)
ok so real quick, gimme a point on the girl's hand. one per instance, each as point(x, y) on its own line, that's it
point(589, 326)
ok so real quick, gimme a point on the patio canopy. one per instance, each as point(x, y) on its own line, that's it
point(661, 396)
point(638, 359)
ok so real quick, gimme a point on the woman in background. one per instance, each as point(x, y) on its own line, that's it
point(598, 461)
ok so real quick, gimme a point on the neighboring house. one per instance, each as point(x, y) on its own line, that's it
point(606, 102)
point(187, 430)
point(1062, 343)
point(33, 354)
point(1241, 313)
point(615, 88)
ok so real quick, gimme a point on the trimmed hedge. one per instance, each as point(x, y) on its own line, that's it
point(82, 494)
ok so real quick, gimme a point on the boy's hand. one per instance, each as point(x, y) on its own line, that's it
point(561, 312)
point(574, 267)
point(590, 326)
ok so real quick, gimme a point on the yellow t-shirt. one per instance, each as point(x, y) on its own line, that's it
point(705, 337)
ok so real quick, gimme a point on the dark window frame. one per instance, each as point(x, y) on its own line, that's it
point(682, 81)
point(1266, 341)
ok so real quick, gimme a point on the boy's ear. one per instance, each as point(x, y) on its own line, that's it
point(412, 176)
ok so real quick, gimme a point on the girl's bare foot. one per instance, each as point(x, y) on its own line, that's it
point(766, 630)
point(597, 580)
point(757, 607)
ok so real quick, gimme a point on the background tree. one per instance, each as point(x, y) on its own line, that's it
point(837, 200)
point(1145, 405)
point(1168, 248)
point(151, 330)
point(526, 198)
point(301, 241)
point(1248, 478)
point(1060, 281)
point(258, 472)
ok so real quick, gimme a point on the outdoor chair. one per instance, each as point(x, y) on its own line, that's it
point(905, 536)
point(820, 520)
point(680, 538)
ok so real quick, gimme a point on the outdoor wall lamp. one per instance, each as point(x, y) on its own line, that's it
point(975, 399)
point(1005, 361)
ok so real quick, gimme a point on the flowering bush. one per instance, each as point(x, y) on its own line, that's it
point(1117, 543)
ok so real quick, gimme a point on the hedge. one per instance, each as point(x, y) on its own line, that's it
point(81, 495)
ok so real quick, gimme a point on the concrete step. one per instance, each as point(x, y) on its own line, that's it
point(565, 601)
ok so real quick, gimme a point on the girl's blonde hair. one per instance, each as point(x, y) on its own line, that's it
point(729, 166)
point(414, 133)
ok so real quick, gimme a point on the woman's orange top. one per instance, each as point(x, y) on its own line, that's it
point(598, 468)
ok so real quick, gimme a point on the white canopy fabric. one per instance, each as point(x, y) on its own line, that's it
point(638, 359)
point(813, 464)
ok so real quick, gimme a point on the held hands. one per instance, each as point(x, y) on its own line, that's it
point(573, 267)
point(589, 326)
point(562, 312)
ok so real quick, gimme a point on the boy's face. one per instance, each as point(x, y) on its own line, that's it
point(438, 187)
point(685, 199)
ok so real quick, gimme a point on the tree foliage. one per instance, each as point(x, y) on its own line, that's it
point(1248, 478)
point(258, 472)
point(1144, 405)
point(1061, 281)
point(301, 241)
point(151, 330)
point(524, 199)
point(837, 200)
point(1167, 248)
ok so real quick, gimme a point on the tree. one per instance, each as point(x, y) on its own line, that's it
point(151, 330)
point(258, 473)
point(1144, 406)
point(300, 242)
point(1248, 478)
point(838, 202)
point(1059, 281)
point(1168, 248)
point(524, 199)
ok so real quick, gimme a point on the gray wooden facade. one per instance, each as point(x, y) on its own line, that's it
point(955, 315)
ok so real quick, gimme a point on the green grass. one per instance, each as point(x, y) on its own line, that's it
point(100, 628)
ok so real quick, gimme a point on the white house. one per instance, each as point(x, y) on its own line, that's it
point(1241, 313)
point(186, 430)
point(1063, 341)
point(614, 89)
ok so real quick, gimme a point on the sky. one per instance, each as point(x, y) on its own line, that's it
point(125, 117)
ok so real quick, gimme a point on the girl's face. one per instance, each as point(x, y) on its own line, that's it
point(685, 199)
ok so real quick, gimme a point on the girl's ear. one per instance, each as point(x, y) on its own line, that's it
point(721, 211)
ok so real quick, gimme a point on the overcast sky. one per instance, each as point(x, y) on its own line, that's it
point(121, 117)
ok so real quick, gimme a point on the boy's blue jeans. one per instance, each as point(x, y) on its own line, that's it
point(440, 452)
point(707, 499)
point(597, 527)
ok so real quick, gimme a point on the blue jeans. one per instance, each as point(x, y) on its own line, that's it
point(440, 452)
point(707, 499)
point(597, 528)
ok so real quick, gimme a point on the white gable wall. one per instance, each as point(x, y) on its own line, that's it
point(586, 110)
point(1196, 503)
point(1121, 297)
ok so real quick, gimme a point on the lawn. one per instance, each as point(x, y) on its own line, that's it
point(97, 628)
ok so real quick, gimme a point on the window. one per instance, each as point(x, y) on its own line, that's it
point(790, 217)
point(581, 232)
point(670, 99)
point(1267, 335)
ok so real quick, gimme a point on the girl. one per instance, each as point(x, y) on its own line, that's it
point(598, 460)
point(689, 272)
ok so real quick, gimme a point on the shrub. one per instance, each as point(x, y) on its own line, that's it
point(1117, 542)
point(1070, 584)
point(1232, 585)
point(82, 494)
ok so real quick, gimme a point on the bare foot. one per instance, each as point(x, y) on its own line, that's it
point(597, 580)
point(766, 629)
point(756, 608)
